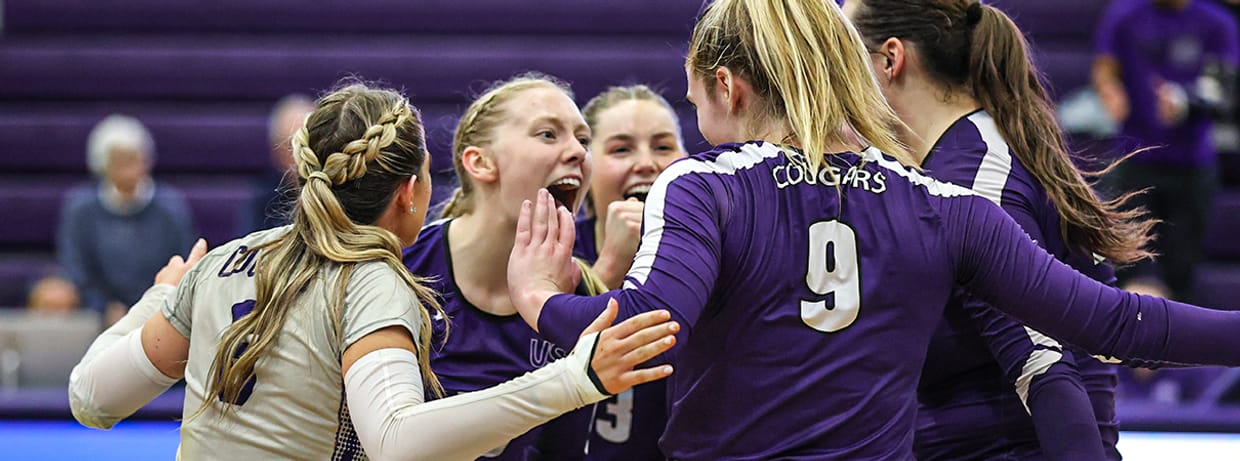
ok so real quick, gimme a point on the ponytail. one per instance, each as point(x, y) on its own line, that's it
point(341, 193)
point(810, 61)
point(973, 47)
point(1005, 83)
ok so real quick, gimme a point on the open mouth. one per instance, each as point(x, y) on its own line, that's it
point(639, 191)
point(564, 191)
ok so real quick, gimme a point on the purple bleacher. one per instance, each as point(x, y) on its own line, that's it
point(434, 69)
point(1055, 21)
point(18, 272)
point(1221, 242)
point(626, 17)
point(190, 138)
point(1061, 33)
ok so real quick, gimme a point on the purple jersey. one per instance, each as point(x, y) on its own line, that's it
point(627, 426)
point(586, 246)
point(483, 350)
point(985, 373)
point(807, 301)
point(1155, 44)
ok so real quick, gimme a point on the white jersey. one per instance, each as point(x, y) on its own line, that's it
point(295, 408)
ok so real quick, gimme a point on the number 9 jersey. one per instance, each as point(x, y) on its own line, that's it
point(807, 300)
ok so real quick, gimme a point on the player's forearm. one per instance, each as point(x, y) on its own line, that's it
point(384, 394)
point(1001, 266)
point(115, 383)
point(1063, 416)
point(565, 316)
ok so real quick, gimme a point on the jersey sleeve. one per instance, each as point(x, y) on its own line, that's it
point(179, 307)
point(377, 297)
point(675, 268)
point(1041, 371)
point(995, 260)
point(565, 437)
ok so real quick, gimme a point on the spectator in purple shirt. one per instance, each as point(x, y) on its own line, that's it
point(1163, 70)
point(808, 272)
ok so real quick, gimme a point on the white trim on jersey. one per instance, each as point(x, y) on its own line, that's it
point(992, 177)
point(727, 163)
point(933, 186)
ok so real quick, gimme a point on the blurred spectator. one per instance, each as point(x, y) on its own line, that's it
point(269, 203)
point(116, 233)
point(53, 295)
point(1164, 70)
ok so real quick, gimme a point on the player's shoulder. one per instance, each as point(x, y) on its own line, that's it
point(727, 158)
point(912, 179)
point(966, 142)
point(237, 255)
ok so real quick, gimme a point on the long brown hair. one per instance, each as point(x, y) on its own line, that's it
point(972, 47)
point(355, 149)
point(810, 65)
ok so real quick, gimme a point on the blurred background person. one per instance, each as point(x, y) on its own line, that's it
point(273, 192)
point(118, 230)
point(53, 295)
point(1164, 69)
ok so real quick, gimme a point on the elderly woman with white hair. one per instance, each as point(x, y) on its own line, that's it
point(116, 233)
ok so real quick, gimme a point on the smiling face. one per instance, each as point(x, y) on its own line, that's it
point(541, 143)
point(634, 140)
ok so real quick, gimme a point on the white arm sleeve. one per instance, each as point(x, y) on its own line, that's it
point(115, 378)
point(119, 381)
point(384, 392)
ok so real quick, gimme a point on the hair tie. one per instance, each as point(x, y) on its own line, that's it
point(973, 14)
point(319, 175)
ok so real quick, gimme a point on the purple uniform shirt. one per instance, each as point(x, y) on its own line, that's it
point(1155, 44)
point(807, 306)
point(627, 426)
point(483, 350)
point(985, 374)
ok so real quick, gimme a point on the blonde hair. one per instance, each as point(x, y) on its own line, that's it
point(618, 94)
point(353, 152)
point(809, 61)
point(113, 132)
point(477, 128)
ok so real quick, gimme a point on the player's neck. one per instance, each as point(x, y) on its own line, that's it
point(930, 112)
point(780, 133)
point(480, 243)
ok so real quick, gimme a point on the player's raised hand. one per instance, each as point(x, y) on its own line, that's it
point(622, 347)
point(620, 241)
point(541, 263)
point(176, 268)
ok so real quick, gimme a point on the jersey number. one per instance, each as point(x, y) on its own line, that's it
point(620, 408)
point(240, 310)
point(832, 274)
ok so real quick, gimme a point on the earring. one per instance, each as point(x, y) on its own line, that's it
point(413, 209)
